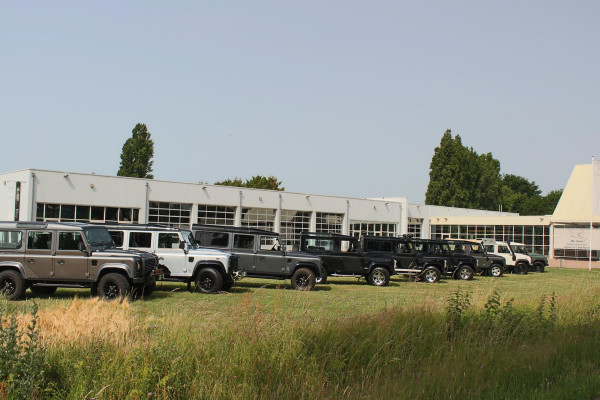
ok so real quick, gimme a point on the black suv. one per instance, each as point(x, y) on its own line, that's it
point(342, 256)
point(458, 266)
point(409, 262)
point(261, 254)
point(487, 264)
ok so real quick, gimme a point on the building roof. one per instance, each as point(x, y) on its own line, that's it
point(575, 204)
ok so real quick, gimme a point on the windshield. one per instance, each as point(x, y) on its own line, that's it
point(98, 237)
point(188, 237)
point(519, 248)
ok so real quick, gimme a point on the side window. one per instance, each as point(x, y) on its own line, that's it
point(168, 240)
point(489, 248)
point(503, 250)
point(458, 248)
point(374, 245)
point(319, 244)
point(476, 249)
point(405, 248)
point(140, 239)
point(270, 243)
point(243, 242)
point(348, 246)
point(216, 239)
point(117, 237)
point(39, 240)
point(10, 239)
point(69, 240)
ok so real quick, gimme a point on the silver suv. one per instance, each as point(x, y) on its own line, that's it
point(43, 256)
point(179, 256)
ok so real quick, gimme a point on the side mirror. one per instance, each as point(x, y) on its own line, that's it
point(182, 245)
point(514, 258)
point(81, 246)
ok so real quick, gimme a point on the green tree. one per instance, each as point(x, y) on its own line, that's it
point(459, 177)
point(257, 182)
point(137, 154)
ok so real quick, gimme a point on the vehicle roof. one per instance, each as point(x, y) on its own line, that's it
point(236, 229)
point(45, 225)
point(464, 241)
point(138, 227)
point(327, 235)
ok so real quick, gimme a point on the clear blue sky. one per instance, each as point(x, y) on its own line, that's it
point(346, 98)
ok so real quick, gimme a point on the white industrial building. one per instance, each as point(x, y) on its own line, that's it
point(33, 194)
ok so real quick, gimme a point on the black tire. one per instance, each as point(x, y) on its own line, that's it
point(464, 272)
point(521, 269)
point(12, 285)
point(303, 279)
point(149, 288)
point(113, 286)
point(43, 290)
point(538, 267)
point(496, 271)
point(227, 283)
point(431, 275)
point(378, 276)
point(209, 281)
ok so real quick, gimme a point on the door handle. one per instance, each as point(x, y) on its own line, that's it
point(31, 261)
point(61, 261)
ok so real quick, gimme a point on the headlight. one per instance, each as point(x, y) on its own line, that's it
point(138, 267)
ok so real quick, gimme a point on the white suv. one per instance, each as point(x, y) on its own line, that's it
point(515, 262)
point(179, 256)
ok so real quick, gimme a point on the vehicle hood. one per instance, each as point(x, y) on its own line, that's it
point(301, 254)
point(205, 251)
point(121, 253)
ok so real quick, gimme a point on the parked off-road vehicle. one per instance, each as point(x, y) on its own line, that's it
point(537, 262)
point(262, 254)
point(179, 256)
point(44, 256)
point(409, 262)
point(458, 266)
point(487, 264)
point(343, 256)
point(515, 262)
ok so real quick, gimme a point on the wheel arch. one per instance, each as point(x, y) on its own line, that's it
point(208, 264)
point(119, 268)
point(15, 266)
point(313, 267)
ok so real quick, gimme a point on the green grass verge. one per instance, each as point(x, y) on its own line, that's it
point(516, 337)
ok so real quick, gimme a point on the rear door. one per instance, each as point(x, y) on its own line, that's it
point(70, 261)
point(39, 261)
point(243, 247)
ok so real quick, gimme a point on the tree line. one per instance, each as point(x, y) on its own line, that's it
point(460, 177)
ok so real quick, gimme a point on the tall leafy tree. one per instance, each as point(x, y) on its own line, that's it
point(137, 154)
point(257, 182)
point(459, 177)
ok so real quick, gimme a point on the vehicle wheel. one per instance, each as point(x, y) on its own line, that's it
point(521, 269)
point(465, 273)
point(227, 282)
point(496, 271)
point(303, 279)
point(12, 285)
point(113, 286)
point(538, 267)
point(378, 276)
point(208, 281)
point(43, 290)
point(431, 275)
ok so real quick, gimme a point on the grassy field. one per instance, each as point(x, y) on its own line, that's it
point(515, 337)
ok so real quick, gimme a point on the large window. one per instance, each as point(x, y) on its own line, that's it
point(414, 227)
point(293, 223)
point(84, 213)
point(370, 228)
point(173, 214)
point(216, 215)
point(262, 218)
point(329, 223)
point(572, 242)
point(10, 239)
point(536, 238)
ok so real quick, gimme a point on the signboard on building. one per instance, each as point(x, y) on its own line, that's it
point(576, 238)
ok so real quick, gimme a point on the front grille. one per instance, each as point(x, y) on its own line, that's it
point(150, 264)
